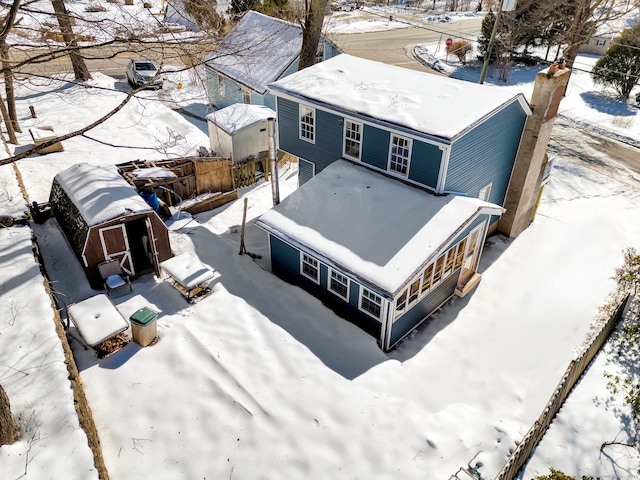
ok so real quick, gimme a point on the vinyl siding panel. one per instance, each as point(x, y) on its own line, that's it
point(375, 147)
point(425, 307)
point(305, 171)
point(486, 155)
point(426, 159)
point(285, 262)
point(328, 135)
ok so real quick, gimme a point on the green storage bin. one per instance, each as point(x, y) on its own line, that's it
point(143, 326)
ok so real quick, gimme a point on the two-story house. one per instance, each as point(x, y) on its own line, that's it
point(401, 174)
point(257, 51)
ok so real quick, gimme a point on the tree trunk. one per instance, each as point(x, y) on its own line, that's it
point(9, 124)
point(313, 18)
point(8, 427)
point(8, 86)
point(80, 69)
point(579, 33)
point(10, 118)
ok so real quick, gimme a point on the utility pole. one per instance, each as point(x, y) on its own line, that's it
point(506, 6)
point(273, 158)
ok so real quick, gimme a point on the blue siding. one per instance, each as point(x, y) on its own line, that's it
point(425, 307)
point(285, 262)
point(425, 160)
point(328, 145)
point(486, 155)
point(230, 93)
point(425, 163)
point(305, 171)
point(375, 147)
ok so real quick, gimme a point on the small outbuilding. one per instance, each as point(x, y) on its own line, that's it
point(240, 131)
point(103, 217)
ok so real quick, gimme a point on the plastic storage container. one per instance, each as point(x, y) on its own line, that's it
point(143, 326)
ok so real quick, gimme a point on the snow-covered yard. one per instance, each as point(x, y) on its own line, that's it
point(259, 379)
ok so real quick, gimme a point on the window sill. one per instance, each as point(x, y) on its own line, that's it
point(462, 291)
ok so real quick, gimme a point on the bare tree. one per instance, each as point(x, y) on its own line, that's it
point(80, 69)
point(9, 114)
point(586, 17)
point(311, 31)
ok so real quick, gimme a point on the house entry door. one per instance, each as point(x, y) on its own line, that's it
point(471, 255)
point(115, 244)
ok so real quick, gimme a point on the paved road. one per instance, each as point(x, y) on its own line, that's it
point(391, 46)
point(597, 151)
point(112, 60)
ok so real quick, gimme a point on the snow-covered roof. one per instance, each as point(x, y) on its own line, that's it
point(257, 50)
point(431, 104)
point(374, 227)
point(239, 116)
point(100, 193)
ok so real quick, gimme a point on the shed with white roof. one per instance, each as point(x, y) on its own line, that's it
point(103, 218)
point(240, 131)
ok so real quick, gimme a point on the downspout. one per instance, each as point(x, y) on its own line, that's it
point(273, 157)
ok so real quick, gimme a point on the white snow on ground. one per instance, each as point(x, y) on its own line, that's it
point(260, 379)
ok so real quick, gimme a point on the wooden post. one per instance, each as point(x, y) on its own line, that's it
point(244, 219)
point(33, 111)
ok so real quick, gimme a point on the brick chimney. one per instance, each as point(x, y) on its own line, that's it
point(528, 171)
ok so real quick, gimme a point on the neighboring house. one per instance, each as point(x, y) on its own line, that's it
point(240, 131)
point(402, 174)
point(598, 44)
point(175, 12)
point(257, 51)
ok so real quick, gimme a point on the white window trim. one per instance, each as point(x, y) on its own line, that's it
point(485, 192)
point(317, 266)
point(344, 139)
point(303, 111)
point(409, 146)
point(246, 95)
point(329, 277)
point(381, 304)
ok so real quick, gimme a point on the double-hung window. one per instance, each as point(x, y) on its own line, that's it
point(246, 96)
point(221, 86)
point(339, 284)
point(399, 155)
point(310, 268)
point(352, 139)
point(370, 303)
point(307, 124)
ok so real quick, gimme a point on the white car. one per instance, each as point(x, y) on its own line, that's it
point(143, 72)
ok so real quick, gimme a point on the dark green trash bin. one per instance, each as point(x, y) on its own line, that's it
point(143, 326)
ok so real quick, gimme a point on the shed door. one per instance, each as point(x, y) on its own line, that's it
point(115, 244)
point(471, 255)
point(153, 247)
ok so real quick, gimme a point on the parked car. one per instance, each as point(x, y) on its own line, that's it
point(143, 72)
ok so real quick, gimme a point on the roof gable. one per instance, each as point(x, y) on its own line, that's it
point(257, 50)
point(377, 228)
point(100, 193)
point(430, 104)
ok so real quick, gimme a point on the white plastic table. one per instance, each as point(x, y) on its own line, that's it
point(97, 319)
point(188, 273)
